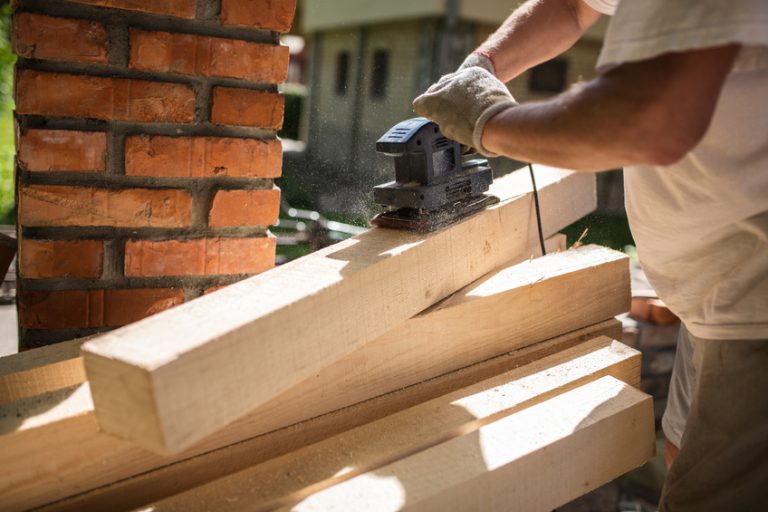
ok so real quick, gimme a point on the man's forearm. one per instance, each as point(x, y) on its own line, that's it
point(583, 129)
point(535, 32)
point(649, 112)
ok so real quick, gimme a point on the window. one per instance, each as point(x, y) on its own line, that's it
point(550, 76)
point(380, 74)
point(342, 73)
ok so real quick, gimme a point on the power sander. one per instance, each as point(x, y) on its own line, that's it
point(435, 184)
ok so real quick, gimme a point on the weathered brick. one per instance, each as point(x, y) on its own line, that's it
point(208, 56)
point(179, 8)
point(266, 14)
point(208, 256)
point(200, 157)
point(233, 208)
point(83, 309)
point(42, 259)
point(246, 107)
point(49, 205)
point(44, 37)
point(61, 150)
point(58, 94)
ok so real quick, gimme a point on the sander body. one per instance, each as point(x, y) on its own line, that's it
point(435, 184)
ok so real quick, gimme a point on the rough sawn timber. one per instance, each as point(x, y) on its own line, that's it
point(512, 307)
point(534, 460)
point(43, 439)
point(174, 378)
point(53, 367)
point(58, 450)
point(40, 370)
point(289, 479)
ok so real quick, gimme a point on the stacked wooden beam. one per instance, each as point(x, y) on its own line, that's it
point(374, 415)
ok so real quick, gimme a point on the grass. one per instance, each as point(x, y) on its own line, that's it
point(602, 229)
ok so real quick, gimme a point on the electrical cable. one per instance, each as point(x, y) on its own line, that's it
point(538, 212)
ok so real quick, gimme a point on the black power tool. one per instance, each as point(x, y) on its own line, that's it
point(435, 184)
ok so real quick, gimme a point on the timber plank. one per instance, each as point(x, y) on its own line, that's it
point(536, 459)
point(170, 380)
point(515, 306)
point(290, 479)
point(41, 370)
point(578, 272)
point(52, 367)
point(61, 470)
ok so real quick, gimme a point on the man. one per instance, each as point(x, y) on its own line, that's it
point(681, 102)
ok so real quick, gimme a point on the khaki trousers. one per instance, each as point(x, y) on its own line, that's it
point(718, 408)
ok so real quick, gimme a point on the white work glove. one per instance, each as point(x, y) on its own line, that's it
point(461, 103)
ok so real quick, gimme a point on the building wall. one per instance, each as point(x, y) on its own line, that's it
point(581, 60)
point(333, 112)
point(146, 152)
point(343, 128)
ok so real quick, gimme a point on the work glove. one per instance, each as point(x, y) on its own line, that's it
point(461, 103)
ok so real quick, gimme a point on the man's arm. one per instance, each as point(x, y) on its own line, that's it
point(648, 112)
point(535, 32)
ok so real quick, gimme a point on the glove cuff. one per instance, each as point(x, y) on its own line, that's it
point(477, 134)
point(480, 60)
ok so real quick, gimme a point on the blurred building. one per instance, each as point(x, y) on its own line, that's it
point(368, 59)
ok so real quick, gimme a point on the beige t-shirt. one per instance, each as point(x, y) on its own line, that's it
point(701, 224)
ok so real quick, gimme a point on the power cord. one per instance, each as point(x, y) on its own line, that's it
point(538, 212)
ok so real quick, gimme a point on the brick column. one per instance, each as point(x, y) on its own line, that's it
point(146, 152)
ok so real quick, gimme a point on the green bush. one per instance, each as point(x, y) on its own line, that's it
point(7, 149)
point(294, 101)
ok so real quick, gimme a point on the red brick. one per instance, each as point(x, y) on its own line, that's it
point(41, 259)
point(48, 205)
point(83, 309)
point(200, 157)
point(61, 150)
point(209, 256)
point(267, 14)
point(233, 208)
point(44, 37)
point(179, 8)
point(245, 107)
point(58, 94)
point(208, 56)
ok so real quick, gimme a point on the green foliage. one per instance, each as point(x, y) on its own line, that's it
point(7, 149)
point(7, 58)
point(602, 229)
point(294, 101)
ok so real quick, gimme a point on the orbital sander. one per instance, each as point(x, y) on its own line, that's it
point(435, 184)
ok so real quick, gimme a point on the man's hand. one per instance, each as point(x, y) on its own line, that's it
point(462, 102)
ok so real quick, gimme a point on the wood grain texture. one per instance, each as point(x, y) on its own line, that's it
point(52, 367)
point(121, 476)
point(290, 479)
point(40, 370)
point(170, 380)
point(514, 306)
point(533, 460)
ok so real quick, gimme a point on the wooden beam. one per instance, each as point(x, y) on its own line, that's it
point(536, 459)
point(170, 380)
point(290, 479)
point(52, 367)
point(350, 381)
point(41, 370)
point(515, 306)
point(58, 459)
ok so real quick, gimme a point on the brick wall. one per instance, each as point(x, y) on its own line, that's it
point(146, 154)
